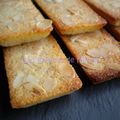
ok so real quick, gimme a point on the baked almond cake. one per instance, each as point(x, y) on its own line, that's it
point(109, 9)
point(71, 16)
point(38, 72)
point(98, 53)
point(21, 22)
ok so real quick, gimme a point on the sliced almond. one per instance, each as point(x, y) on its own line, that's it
point(12, 27)
point(33, 82)
point(32, 79)
point(97, 53)
point(67, 71)
point(19, 18)
point(74, 38)
point(44, 24)
point(82, 42)
point(98, 66)
point(91, 63)
point(18, 80)
point(68, 20)
point(49, 84)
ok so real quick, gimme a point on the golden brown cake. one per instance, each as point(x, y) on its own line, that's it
point(38, 72)
point(21, 22)
point(71, 16)
point(109, 9)
point(98, 53)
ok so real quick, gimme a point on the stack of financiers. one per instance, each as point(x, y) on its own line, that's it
point(81, 29)
point(39, 71)
point(110, 10)
point(36, 71)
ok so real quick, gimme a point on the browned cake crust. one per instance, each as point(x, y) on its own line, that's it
point(98, 53)
point(109, 9)
point(71, 17)
point(21, 22)
point(38, 72)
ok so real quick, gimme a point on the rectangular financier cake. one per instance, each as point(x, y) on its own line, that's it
point(21, 22)
point(38, 72)
point(71, 16)
point(109, 9)
point(98, 53)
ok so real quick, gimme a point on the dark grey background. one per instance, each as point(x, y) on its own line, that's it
point(92, 102)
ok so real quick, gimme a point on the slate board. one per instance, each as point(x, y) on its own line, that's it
point(92, 102)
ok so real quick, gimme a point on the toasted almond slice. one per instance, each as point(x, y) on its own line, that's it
point(49, 84)
point(91, 63)
point(67, 71)
point(18, 80)
point(68, 20)
point(97, 53)
point(44, 24)
point(82, 42)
